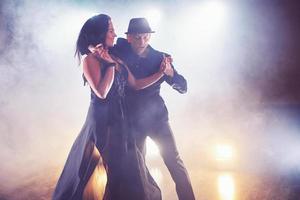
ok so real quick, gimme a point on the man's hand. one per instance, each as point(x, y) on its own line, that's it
point(163, 65)
point(169, 71)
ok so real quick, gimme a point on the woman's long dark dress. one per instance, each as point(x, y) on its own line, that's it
point(107, 128)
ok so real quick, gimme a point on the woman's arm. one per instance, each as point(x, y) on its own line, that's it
point(92, 72)
point(139, 84)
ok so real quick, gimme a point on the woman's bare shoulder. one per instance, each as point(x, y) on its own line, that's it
point(90, 60)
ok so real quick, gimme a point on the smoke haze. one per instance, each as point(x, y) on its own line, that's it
point(236, 69)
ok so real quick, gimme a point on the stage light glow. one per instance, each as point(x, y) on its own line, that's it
point(214, 12)
point(224, 152)
point(152, 149)
point(206, 19)
point(157, 175)
point(153, 15)
point(95, 187)
point(226, 187)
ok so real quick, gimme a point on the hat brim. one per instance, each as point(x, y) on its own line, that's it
point(139, 32)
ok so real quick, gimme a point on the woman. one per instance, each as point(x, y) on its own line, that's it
point(105, 138)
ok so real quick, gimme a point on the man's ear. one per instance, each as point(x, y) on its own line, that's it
point(128, 37)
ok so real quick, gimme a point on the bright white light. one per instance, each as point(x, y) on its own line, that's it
point(224, 152)
point(226, 187)
point(152, 149)
point(157, 175)
point(214, 13)
point(207, 19)
point(153, 15)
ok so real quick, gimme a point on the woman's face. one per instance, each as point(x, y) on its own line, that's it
point(110, 35)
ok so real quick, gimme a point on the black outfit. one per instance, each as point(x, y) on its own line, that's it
point(107, 128)
point(149, 115)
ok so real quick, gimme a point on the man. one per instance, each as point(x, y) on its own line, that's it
point(148, 113)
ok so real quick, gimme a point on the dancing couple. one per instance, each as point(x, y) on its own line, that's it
point(125, 108)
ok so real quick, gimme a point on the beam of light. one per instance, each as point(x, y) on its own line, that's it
point(152, 149)
point(157, 175)
point(226, 187)
point(224, 152)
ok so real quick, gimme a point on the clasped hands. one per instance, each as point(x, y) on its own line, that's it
point(166, 67)
point(101, 52)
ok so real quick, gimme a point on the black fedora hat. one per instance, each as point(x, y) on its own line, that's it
point(138, 25)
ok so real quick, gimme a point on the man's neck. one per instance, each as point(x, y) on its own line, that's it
point(143, 54)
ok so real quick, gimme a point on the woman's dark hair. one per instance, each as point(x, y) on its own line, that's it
point(92, 32)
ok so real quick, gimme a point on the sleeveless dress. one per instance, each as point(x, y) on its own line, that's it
point(105, 142)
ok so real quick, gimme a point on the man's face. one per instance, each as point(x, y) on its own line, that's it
point(139, 42)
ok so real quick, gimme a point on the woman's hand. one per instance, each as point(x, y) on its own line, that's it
point(166, 66)
point(101, 52)
point(169, 59)
point(163, 66)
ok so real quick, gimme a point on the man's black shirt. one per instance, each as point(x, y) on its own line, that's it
point(147, 105)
